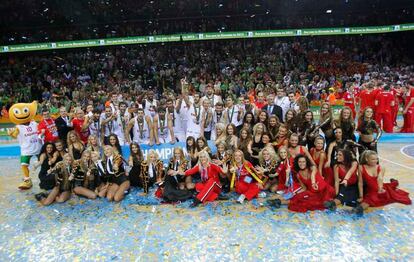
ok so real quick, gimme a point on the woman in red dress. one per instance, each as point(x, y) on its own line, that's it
point(319, 157)
point(209, 188)
point(314, 190)
point(295, 149)
point(346, 181)
point(283, 171)
point(244, 177)
point(377, 193)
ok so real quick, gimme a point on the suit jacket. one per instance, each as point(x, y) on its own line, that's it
point(277, 111)
point(63, 128)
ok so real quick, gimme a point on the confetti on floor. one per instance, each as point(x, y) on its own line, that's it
point(143, 229)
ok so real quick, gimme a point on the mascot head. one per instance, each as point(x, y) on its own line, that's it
point(22, 112)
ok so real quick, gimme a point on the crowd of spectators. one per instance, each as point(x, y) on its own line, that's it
point(40, 21)
point(310, 67)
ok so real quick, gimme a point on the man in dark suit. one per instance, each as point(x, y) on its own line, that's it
point(63, 124)
point(273, 109)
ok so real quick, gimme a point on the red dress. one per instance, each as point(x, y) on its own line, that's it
point(281, 171)
point(390, 195)
point(292, 158)
point(209, 188)
point(312, 199)
point(279, 143)
point(352, 180)
point(245, 183)
point(327, 171)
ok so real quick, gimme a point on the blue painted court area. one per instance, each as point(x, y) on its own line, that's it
point(142, 229)
point(408, 150)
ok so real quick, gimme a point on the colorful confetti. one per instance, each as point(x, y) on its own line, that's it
point(143, 229)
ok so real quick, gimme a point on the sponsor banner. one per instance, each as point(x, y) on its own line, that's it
point(165, 151)
point(206, 36)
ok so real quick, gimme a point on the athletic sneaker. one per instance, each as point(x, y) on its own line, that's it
point(26, 184)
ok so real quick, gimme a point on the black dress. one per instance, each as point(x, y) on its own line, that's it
point(348, 129)
point(79, 178)
point(94, 180)
point(117, 177)
point(172, 192)
point(77, 154)
point(256, 148)
point(47, 181)
point(101, 176)
point(327, 130)
point(135, 172)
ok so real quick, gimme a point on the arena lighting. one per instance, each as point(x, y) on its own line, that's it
point(329, 11)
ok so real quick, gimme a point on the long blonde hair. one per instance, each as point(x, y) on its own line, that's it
point(233, 161)
point(363, 159)
point(152, 152)
point(273, 155)
point(68, 140)
point(303, 104)
point(203, 154)
point(322, 118)
point(341, 117)
point(182, 158)
point(113, 152)
point(256, 126)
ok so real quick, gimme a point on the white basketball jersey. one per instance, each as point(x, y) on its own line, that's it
point(30, 144)
point(141, 134)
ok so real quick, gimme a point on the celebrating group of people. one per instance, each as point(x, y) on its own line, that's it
point(266, 144)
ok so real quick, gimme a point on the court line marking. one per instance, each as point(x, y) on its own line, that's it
point(144, 239)
point(405, 154)
point(398, 164)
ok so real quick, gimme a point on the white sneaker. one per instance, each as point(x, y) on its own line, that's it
point(241, 199)
point(280, 192)
point(262, 194)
